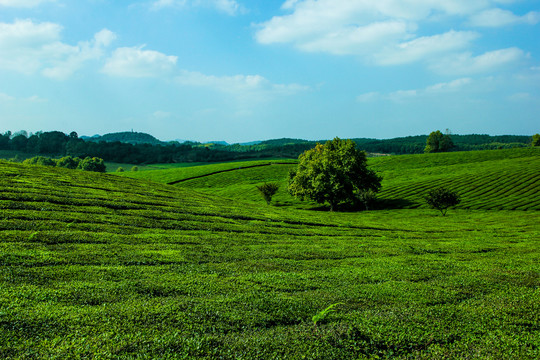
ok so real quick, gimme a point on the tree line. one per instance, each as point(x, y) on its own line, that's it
point(56, 143)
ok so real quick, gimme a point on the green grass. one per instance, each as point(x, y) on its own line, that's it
point(489, 180)
point(180, 174)
point(102, 266)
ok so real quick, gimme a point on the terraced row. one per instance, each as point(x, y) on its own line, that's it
point(497, 185)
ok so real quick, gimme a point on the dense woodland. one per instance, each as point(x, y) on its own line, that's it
point(139, 148)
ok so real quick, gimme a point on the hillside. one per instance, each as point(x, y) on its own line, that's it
point(128, 137)
point(490, 179)
point(101, 266)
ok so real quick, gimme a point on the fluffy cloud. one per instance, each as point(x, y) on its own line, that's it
point(466, 63)
point(230, 7)
point(388, 32)
point(404, 95)
point(424, 47)
point(23, 3)
point(29, 47)
point(6, 97)
point(139, 63)
point(239, 85)
point(454, 85)
point(499, 17)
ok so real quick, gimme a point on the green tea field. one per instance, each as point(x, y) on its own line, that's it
point(490, 180)
point(109, 267)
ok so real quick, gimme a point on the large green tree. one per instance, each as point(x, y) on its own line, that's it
point(335, 172)
point(438, 142)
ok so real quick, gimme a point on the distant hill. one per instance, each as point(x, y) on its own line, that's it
point(128, 137)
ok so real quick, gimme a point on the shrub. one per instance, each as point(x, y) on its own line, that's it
point(441, 199)
point(368, 198)
point(535, 140)
point(120, 169)
point(92, 164)
point(68, 162)
point(135, 168)
point(268, 190)
point(40, 160)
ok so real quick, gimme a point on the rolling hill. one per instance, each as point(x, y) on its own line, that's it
point(504, 179)
point(102, 266)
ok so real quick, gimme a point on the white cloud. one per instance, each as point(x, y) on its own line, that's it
point(466, 63)
point(356, 40)
point(138, 63)
point(23, 3)
point(314, 19)
point(520, 97)
point(448, 86)
point(368, 97)
point(423, 47)
point(33, 99)
point(387, 32)
point(230, 7)
point(29, 47)
point(6, 97)
point(404, 95)
point(159, 114)
point(239, 85)
point(75, 56)
point(498, 17)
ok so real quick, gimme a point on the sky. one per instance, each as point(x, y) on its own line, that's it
point(246, 70)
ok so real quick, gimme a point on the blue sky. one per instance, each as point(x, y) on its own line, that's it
point(239, 70)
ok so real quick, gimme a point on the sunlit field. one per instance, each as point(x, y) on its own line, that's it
point(103, 266)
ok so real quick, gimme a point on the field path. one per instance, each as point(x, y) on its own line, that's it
point(228, 170)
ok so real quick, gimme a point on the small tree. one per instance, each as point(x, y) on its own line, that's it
point(536, 140)
point(368, 198)
point(68, 162)
point(441, 199)
point(92, 164)
point(120, 169)
point(437, 142)
point(335, 172)
point(268, 190)
point(40, 160)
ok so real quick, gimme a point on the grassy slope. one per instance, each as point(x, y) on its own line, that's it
point(180, 173)
point(101, 266)
point(496, 179)
point(492, 179)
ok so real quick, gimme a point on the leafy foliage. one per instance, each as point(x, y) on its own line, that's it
point(334, 172)
point(40, 160)
point(68, 162)
point(535, 140)
point(94, 164)
point(437, 142)
point(321, 315)
point(268, 190)
point(441, 199)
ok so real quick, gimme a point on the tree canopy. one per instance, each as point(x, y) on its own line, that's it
point(438, 142)
point(441, 199)
point(335, 172)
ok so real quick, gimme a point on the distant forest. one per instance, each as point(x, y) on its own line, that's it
point(141, 148)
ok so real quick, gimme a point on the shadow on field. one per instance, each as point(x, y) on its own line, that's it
point(389, 204)
point(381, 204)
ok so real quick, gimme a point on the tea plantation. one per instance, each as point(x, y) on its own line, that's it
point(107, 267)
point(492, 180)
